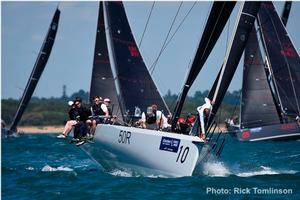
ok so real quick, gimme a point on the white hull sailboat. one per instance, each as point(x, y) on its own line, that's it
point(146, 152)
point(120, 73)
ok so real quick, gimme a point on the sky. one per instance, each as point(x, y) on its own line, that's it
point(25, 24)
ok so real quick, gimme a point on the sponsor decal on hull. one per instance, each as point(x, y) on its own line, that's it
point(169, 144)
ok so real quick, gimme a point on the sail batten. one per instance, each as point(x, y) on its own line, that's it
point(38, 69)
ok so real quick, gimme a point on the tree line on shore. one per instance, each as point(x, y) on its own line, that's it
point(54, 111)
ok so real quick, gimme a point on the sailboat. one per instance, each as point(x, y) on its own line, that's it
point(37, 71)
point(270, 90)
point(118, 63)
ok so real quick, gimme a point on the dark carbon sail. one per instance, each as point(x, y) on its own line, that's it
point(217, 19)
point(245, 23)
point(283, 58)
point(135, 87)
point(102, 82)
point(286, 12)
point(257, 103)
point(37, 69)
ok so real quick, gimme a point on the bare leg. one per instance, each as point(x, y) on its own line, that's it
point(68, 127)
point(93, 127)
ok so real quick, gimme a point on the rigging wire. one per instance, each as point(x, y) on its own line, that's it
point(180, 24)
point(146, 24)
point(151, 69)
point(226, 49)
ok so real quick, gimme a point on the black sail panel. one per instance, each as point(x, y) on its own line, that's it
point(217, 19)
point(137, 89)
point(257, 104)
point(244, 25)
point(102, 82)
point(38, 69)
point(283, 57)
point(286, 12)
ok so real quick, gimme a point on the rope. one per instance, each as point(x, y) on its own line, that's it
point(146, 24)
point(180, 24)
point(161, 50)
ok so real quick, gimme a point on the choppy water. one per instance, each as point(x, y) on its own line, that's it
point(42, 167)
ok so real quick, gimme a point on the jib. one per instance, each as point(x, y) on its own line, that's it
point(124, 137)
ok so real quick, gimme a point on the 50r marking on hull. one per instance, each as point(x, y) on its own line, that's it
point(124, 137)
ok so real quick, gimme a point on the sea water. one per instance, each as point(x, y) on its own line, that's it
point(40, 166)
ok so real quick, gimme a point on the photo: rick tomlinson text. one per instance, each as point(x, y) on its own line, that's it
point(248, 190)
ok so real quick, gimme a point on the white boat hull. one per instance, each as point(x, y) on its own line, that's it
point(147, 152)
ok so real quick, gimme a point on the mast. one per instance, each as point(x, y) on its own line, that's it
point(112, 57)
point(134, 85)
point(102, 81)
point(217, 19)
point(243, 27)
point(38, 69)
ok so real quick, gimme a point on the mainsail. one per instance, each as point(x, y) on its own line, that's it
point(257, 103)
point(37, 69)
point(102, 82)
point(283, 58)
point(135, 88)
point(217, 19)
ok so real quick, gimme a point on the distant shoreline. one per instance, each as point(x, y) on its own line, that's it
point(60, 128)
point(40, 129)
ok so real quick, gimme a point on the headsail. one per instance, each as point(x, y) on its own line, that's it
point(37, 69)
point(135, 87)
point(283, 58)
point(217, 19)
point(257, 103)
point(243, 28)
point(102, 82)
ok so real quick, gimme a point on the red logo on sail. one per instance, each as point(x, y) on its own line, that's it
point(133, 51)
point(288, 51)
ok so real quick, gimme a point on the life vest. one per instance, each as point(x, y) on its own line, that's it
point(151, 119)
point(97, 110)
point(191, 119)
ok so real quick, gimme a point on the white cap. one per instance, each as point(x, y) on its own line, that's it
point(106, 100)
point(70, 103)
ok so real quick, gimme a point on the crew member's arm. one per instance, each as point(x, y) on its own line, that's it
point(159, 119)
point(105, 110)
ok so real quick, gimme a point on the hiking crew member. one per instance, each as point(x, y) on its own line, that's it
point(82, 115)
point(99, 113)
point(204, 112)
point(70, 123)
point(154, 117)
point(106, 102)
